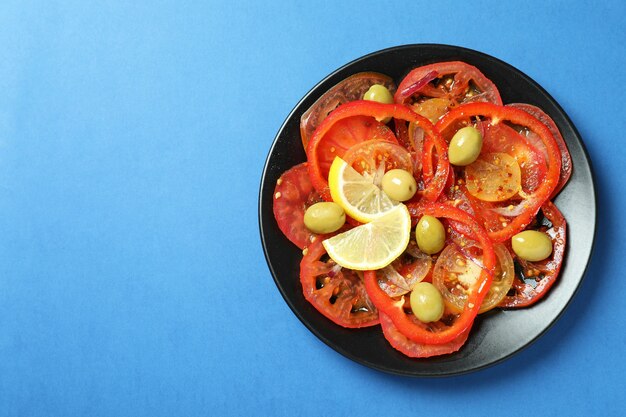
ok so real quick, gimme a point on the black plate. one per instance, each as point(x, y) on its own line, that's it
point(496, 335)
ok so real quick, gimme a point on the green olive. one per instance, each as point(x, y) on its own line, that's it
point(378, 93)
point(426, 302)
point(465, 146)
point(399, 184)
point(381, 94)
point(532, 245)
point(430, 235)
point(325, 217)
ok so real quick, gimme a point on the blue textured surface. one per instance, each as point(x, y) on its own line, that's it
point(132, 140)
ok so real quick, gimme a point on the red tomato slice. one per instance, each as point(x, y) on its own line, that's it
point(566, 159)
point(376, 155)
point(418, 350)
point(449, 327)
point(523, 211)
point(454, 83)
point(455, 270)
point(292, 196)
point(338, 293)
point(501, 138)
point(411, 267)
point(534, 279)
point(350, 89)
point(340, 137)
point(319, 143)
point(414, 264)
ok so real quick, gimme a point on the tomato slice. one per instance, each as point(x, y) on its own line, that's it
point(493, 177)
point(319, 144)
point(411, 267)
point(340, 137)
point(566, 159)
point(509, 164)
point(292, 196)
point(432, 108)
point(338, 293)
point(392, 282)
point(514, 217)
point(534, 279)
point(453, 83)
point(449, 327)
point(503, 139)
point(418, 350)
point(376, 155)
point(414, 264)
point(455, 272)
point(350, 89)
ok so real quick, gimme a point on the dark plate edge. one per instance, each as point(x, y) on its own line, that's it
point(439, 374)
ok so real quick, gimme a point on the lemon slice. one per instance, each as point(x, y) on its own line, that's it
point(373, 245)
point(357, 194)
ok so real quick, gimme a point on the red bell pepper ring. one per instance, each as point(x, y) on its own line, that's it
point(418, 350)
point(498, 114)
point(379, 111)
point(476, 293)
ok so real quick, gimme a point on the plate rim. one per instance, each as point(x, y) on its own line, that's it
point(461, 50)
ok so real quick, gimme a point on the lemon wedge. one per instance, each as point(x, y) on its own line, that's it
point(373, 245)
point(357, 194)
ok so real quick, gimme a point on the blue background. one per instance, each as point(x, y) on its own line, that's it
point(132, 141)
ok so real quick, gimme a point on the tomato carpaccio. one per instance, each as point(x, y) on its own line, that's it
point(505, 188)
